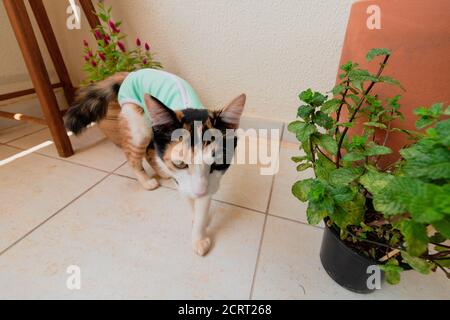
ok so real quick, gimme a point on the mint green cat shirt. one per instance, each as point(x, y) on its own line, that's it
point(168, 88)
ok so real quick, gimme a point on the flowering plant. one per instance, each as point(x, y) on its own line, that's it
point(111, 55)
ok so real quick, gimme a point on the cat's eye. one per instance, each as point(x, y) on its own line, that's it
point(179, 164)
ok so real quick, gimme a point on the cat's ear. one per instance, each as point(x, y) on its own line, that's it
point(159, 113)
point(231, 114)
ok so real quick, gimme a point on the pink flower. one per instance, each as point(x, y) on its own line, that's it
point(90, 53)
point(94, 64)
point(86, 58)
point(113, 27)
point(145, 61)
point(147, 46)
point(106, 39)
point(86, 44)
point(121, 46)
point(102, 56)
point(97, 35)
point(138, 42)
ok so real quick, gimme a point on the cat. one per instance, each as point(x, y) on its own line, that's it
point(140, 112)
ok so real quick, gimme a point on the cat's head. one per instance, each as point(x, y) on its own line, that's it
point(193, 146)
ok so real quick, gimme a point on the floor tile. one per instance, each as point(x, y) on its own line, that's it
point(283, 203)
point(6, 152)
point(133, 243)
point(19, 131)
point(289, 268)
point(33, 187)
point(91, 148)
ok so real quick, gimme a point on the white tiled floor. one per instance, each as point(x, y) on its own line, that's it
point(132, 243)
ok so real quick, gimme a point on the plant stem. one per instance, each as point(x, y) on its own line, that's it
point(440, 244)
point(318, 149)
point(358, 107)
point(338, 112)
point(443, 269)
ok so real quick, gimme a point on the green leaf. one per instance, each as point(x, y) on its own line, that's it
point(358, 141)
point(330, 106)
point(303, 166)
point(337, 89)
point(304, 132)
point(349, 212)
point(443, 226)
point(393, 199)
point(375, 181)
point(418, 264)
point(306, 96)
point(301, 188)
point(438, 238)
point(323, 120)
point(305, 111)
point(345, 124)
point(415, 236)
point(390, 80)
point(314, 216)
point(427, 160)
point(392, 271)
point(361, 75)
point(318, 99)
point(447, 111)
point(354, 156)
point(299, 159)
point(377, 52)
point(295, 126)
point(327, 142)
point(443, 132)
point(375, 124)
point(375, 150)
point(425, 121)
point(344, 176)
point(436, 110)
point(323, 167)
point(347, 66)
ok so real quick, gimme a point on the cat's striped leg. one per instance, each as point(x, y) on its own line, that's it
point(136, 135)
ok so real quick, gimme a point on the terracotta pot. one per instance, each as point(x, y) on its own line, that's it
point(418, 34)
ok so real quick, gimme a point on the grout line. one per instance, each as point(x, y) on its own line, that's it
point(239, 206)
point(63, 159)
point(258, 256)
point(295, 221)
point(57, 212)
point(26, 135)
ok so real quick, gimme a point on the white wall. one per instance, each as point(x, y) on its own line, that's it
point(269, 49)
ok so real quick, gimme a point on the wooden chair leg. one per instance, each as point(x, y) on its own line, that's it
point(45, 26)
point(21, 24)
point(89, 10)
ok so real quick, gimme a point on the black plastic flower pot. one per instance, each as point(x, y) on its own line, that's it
point(345, 266)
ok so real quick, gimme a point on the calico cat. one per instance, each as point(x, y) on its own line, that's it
point(153, 106)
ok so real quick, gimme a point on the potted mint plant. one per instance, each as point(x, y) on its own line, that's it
point(396, 217)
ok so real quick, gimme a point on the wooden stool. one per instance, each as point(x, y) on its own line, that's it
point(21, 24)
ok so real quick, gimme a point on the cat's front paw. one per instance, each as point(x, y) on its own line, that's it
point(150, 184)
point(202, 246)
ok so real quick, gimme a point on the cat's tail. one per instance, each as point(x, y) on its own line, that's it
point(91, 103)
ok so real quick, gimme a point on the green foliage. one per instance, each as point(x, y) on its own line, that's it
point(394, 207)
point(111, 54)
point(392, 271)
